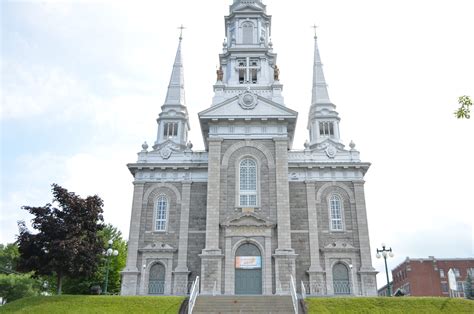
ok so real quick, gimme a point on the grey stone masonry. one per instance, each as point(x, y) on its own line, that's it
point(181, 272)
point(130, 273)
point(366, 261)
point(283, 195)
point(213, 194)
point(211, 257)
point(313, 229)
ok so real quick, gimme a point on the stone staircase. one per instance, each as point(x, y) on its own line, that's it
point(243, 304)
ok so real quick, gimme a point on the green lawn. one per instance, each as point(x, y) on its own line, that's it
point(94, 304)
point(389, 305)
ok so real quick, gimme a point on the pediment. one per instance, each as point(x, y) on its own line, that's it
point(232, 108)
point(158, 247)
point(247, 219)
point(339, 245)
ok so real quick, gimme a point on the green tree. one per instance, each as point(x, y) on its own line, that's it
point(83, 285)
point(468, 289)
point(17, 286)
point(66, 243)
point(464, 112)
point(9, 256)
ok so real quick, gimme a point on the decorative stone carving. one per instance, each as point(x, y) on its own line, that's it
point(144, 147)
point(248, 100)
point(331, 151)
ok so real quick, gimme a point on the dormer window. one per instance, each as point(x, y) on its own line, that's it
point(326, 128)
point(170, 129)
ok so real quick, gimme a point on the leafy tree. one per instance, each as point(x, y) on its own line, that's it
point(8, 257)
point(465, 110)
point(117, 264)
point(468, 289)
point(17, 286)
point(66, 243)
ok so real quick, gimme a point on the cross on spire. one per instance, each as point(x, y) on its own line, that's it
point(181, 31)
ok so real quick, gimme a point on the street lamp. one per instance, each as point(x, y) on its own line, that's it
point(110, 252)
point(385, 252)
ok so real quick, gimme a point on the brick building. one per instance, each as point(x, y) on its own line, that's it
point(429, 276)
point(249, 212)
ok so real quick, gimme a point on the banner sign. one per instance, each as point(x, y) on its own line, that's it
point(248, 262)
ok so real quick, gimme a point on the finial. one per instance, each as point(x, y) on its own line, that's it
point(315, 33)
point(352, 145)
point(181, 31)
point(144, 147)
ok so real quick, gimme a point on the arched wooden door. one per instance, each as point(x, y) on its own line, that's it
point(248, 269)
point(156, 281)
point(341, 281)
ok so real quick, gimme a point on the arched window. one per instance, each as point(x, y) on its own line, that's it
point(247, 33)
point(335, 210)
point(248, 183)
point(161, 213)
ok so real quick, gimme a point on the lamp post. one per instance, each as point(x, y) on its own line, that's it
point(385, 252)
point(108, 254)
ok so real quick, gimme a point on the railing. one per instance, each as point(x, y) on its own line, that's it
point(193, 295)
point(156, 287)
point(314, 288)
point(183, 288)
point(342, 287)
point(303, 290)
point(294, 296)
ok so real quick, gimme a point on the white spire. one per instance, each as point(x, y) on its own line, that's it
point(175, 95)
point(323, 119)
point(173, 121)
point(320, 88)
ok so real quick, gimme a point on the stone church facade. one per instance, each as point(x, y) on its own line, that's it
point(249, 213)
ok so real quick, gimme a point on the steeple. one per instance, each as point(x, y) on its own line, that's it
point(173, 121)
point(320, 88)
point(323, 119)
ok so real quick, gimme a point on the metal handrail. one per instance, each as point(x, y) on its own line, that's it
point(193, 295)
point(294, 296)
point(303, 290)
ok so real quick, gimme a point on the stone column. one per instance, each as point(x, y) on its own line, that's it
point(131, 271)
point(284, 255)
point(211, 257)
point(181, 271)
point(315, 271)
point(366, 271)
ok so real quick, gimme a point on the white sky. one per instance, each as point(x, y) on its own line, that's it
point(83, 82)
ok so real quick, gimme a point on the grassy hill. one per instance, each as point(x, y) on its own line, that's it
point(130, 305)
point(93, 304)
point(389, 305)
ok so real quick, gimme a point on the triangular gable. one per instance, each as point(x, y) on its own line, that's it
point(232, 109)
point(247, 219)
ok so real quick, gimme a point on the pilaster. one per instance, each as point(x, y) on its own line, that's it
point(282, 192)
point(181, 272)
point(131, 272)
point(367, 272)
point(315, 271)
point(211, 257)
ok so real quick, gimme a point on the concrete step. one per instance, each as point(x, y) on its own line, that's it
point(243, 304)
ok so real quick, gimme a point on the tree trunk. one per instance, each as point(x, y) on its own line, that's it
point(59, 283)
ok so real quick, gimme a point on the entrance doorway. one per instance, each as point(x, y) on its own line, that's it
point(248, 269)
point(341, 281)
point(156, 281)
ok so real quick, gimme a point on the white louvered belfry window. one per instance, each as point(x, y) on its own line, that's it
point(161, 213)
point(248, 183)
point(335, 206)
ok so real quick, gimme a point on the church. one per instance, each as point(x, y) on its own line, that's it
point(248, 214)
